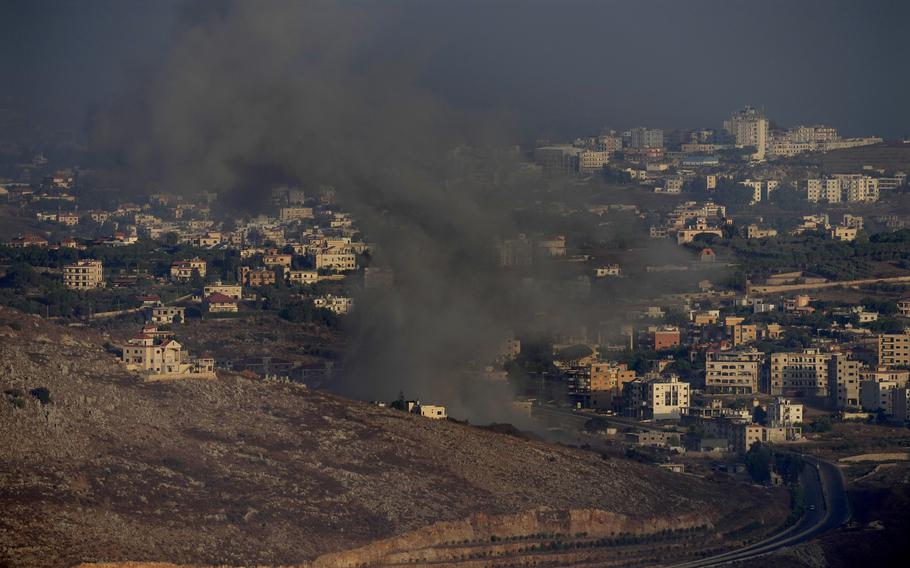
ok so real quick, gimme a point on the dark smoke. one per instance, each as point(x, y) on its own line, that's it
point(330, 94)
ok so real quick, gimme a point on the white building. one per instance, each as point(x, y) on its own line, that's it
point(783, 413)
point(750, 128)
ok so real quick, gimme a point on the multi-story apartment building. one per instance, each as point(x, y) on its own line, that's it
point(877, 387)
point(799, 374)
point(735, 372)
point(843, 381)
point(606, 381)
point(827, 190)
point(256, 276)
point(592, 161)
point(664, 337)
point(295, 213)
point(658, 398)
point(339, 262)
point(750, 128)
point(894, 350)
point(843, 187)
point(276, 260)
point(641, 137)
point(761, 189)
point(184, 269)
point(783, 413)
point(84, 275)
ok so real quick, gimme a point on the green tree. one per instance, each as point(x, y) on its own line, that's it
point(758, 463)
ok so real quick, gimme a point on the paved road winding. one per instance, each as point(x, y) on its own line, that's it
point(827, 509)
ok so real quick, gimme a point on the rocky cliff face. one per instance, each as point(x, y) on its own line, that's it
point(97, 466)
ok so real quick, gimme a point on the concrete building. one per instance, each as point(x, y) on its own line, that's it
point(784, 413)
point(592, 161)
point(185, 269)
point(749, 127)
point(84, 275)
point(167, 314)
point(894, 350)
point(255, 277)
point(900, 404)
point(641, 137)
point(276, 260)
point(734, 372)
point(302, 277)
point(558, 160)
point(220, 303)
point(338, 262)
point(664, 337)
point(336, 304)
point(658, 398)
point(799, 374)
point(230, 290)
point(877, 386)
point(606, 383)
point(287, 214)
point(843, 381)
point(156, 354)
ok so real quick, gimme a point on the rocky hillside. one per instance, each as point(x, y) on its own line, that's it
point(98, 466)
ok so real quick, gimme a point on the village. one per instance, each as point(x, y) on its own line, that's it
point(742, 296)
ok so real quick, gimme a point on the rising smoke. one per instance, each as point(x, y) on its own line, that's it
point(327, 93)
point(324, 93)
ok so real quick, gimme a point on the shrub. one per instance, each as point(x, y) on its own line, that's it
point(42, 394)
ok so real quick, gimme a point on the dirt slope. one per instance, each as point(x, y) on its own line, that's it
point(240, 472)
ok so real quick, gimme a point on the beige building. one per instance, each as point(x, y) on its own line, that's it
point(184, 269)
point(799, 374)
point(219, 304)
point(894, 350)
point(841, 233)
point(84, 275)
point(255, 277)
point(843, 381)
point(302, 277)
point(339, 262)
point(153, 354)
point(592, 161)
point(735, 372)
point(295, 213)
point(277, 260)
point(230, 290)
point(167, 314)
point(607, 379)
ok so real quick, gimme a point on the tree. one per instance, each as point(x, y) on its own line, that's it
point(758, 463)
point(759, 416)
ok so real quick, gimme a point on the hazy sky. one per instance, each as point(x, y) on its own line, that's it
point(559, 66)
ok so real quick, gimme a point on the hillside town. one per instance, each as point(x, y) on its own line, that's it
point(736, 286)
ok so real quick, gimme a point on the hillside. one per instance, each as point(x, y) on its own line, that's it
point(98, 466)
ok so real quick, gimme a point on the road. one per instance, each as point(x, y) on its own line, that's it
point(826, 509)
point(571, 416)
